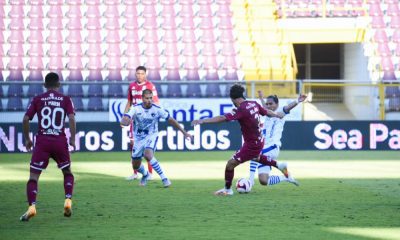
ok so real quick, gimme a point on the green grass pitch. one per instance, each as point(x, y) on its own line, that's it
point(343, 195)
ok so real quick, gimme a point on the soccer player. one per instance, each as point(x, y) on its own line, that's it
point(248, 115)
point(273, 128)
point(51, 108)
point(134, 97)
point(145, 117)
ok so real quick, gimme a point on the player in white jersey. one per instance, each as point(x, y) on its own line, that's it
point(145, 117)
point(273, 128)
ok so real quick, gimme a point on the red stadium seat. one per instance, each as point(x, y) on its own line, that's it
point(393, 9)
point(36, 11)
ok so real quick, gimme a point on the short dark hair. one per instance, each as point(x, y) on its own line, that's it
point(274, 98)
point(146, 91)
point(237, 91)
point(141, 68)
point(52, 80)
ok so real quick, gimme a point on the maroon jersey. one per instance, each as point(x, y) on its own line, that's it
point(51, 107)
point(135, 92)
point(248, 116)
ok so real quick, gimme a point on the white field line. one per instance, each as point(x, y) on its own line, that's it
point(373, 232)
point(215, 170)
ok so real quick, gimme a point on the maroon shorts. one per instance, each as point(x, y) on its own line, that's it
point(248, 152)
point(50, 147)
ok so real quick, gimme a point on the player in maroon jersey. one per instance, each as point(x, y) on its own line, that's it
point(51, 108)
point(134, 97)
point(248, 115)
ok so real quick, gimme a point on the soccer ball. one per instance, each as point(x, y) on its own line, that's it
point(243, 185)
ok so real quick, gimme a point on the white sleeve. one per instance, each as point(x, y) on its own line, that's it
point(131, 112)
point(163, 113)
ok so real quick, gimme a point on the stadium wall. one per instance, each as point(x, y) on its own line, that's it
point(312, 135)
point(361, 101)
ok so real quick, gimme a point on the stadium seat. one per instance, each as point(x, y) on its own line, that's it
point(174, 90)
point(380, 36)
point(75, 76)
point(193, 90)
point(95, 75)
point(35, 89)
point(14, 104)
point(192, 74)
point(391, 91)
point(114, 75)
point(153, 74)
point(395, 22)
point(78, 103)
point(35, 75)
point(75, 90)
point(378, 22)
point(213, 90)
point(115, 90)
point(15, 90)
point(1, 105)
point(95, 90)
point(1, 91)
point(95, 104)
point(392, 9)
point(394, 104)
point(383, 50)
point(160, 92)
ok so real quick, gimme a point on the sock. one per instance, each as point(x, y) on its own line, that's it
point(157, 167)
point(267, 161)
point(142, 170)
point(228, 178)
point(134, 171)
point(31, 191)
point(150, 168)
point(272, 180)
point(253, 168)
point(68, 185)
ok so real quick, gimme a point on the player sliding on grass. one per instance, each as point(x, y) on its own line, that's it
point(145, 117)
point(248, 115)
point(273, 128)
point(51, 107)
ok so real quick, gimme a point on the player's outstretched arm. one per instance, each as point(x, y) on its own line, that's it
point(127, 106)
point(25, 130)
point(293, 104)
point(175, 124)
point(72, 129)
point(261, 97)
point(216, 119)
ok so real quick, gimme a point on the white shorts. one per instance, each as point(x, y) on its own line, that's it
point(272, 152)
point(141, 144)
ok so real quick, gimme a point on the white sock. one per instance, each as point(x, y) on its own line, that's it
point(156, 166)
point(142, 170)
point(253, 168)
point(272, 180)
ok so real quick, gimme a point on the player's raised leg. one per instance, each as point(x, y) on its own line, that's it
point(282, 166)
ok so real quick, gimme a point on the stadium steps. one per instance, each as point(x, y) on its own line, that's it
point(265, 52)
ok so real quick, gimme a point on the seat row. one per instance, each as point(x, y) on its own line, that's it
point(195, 89)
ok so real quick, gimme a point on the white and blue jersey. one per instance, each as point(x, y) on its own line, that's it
point(145, 127)
point(145, 121)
